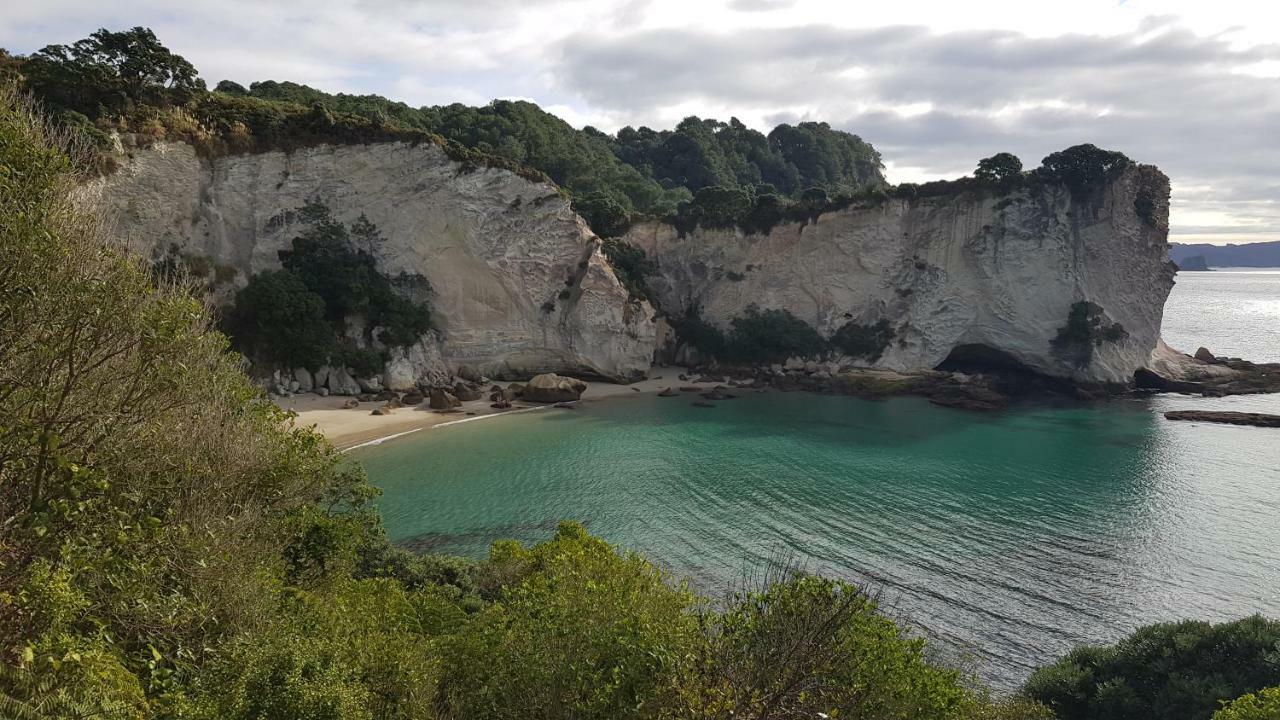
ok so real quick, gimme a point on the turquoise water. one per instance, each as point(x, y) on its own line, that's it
point(1007, 538)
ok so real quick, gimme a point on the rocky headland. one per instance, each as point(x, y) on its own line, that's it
point(968, 296)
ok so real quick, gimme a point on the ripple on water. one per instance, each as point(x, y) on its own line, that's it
point(1008, 539)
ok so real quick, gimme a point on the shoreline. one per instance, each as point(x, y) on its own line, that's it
point(352, 428)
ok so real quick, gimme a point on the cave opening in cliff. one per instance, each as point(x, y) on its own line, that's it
point(975, 358)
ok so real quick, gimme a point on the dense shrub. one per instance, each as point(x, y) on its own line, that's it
point(1085, 330)
point(805, 646)
point(771, 336)
point(111, 72)
point(707, 338)
point(327, 272)
point(1173, 671)
point(147, 490)
point(606, 216)
point(580, 632)
point(1262, 705)
point(630, 265)
point(278, 318)
point(863, 341)
point(1002, 170)
point(1082, 168)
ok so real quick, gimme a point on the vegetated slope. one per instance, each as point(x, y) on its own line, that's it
point(128, 81)
point(173, 547)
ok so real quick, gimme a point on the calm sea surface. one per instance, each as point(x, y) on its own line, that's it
point(1234, 312)
point(1008, 538)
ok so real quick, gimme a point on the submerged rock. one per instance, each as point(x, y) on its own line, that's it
point(1226, 417)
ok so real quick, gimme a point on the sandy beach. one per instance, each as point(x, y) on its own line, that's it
point(354, 427)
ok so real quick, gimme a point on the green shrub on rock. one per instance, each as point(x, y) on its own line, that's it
point(277, 317)
point(863, 341)
point(1173, 671)
point(771, 336)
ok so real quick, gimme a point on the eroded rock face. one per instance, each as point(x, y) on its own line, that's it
point(946, 272)
point(520, 285)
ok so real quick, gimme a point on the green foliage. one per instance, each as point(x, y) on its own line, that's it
point(111, 72)
point(278, 318)
point(771, 336)
point(1003, 170)
point(296, 316)
point(606, 216)
point(359, 649)
point(147, 490)
point(1082, 168)
point(863, 341)
point(704, 336)
point(1174, 671)
point(630, 265)
point(718, 206)
point(581, 631)
point(1262, 705)
point(805, 646)
point(1085, 330)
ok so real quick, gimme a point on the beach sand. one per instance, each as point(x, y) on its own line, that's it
point(350, 428)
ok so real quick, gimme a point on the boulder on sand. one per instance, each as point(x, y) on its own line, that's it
point(1203, 355)
point(341, 382)
point(302, 376)
point(350, 404)
point(552, 388)
point(442, 400)
point(465, 392)
point(668, 393)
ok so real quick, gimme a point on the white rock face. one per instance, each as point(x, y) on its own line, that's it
point(497, 249)
point(944, 272)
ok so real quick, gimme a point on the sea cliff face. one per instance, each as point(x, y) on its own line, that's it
point(519, 283)
point(954, 276)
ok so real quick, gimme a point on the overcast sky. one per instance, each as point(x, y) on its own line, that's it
point(1190, 85)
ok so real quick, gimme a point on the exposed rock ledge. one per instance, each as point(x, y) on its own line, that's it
point(520, 285)
point(1205, 374)
point(1226, 417)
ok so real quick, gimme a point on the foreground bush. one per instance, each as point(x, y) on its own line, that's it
point(1262, 705)
point(1177, 671)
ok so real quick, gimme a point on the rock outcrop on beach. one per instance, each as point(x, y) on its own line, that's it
point(552, 388)
point(969, 276)
point(519, 283)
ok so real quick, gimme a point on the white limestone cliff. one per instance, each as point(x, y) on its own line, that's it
point(498, 250)
point(959, 271)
